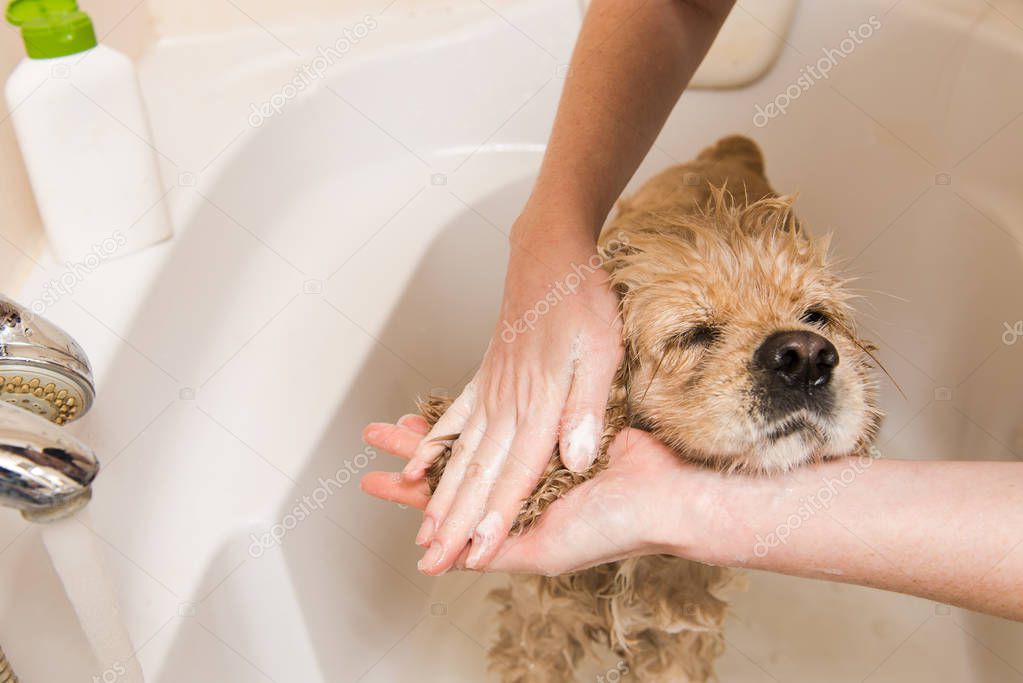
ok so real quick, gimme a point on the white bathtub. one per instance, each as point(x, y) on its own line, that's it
point(347, 254)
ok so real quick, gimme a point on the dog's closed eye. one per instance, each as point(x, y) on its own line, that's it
point(815, 316)
point(697, 335)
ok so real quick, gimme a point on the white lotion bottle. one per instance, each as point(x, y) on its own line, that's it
point(81, 124)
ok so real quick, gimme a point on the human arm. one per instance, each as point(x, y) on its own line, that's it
point(547, 382)
point(947, 531)
point(950, 531)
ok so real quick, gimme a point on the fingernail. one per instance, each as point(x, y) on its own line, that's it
point(581, 446)
point(411, 471)
point(483, 538)
point(432, 556)
point(425, 533)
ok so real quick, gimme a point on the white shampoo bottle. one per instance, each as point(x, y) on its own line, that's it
point(81, 124)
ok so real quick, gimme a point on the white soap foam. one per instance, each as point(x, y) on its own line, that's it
point(581, 443)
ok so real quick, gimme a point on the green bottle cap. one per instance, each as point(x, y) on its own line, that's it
point(52, 28)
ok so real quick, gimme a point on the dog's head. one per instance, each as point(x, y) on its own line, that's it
point(741, 349)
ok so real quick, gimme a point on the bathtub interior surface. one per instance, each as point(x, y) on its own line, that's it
point(346, 253)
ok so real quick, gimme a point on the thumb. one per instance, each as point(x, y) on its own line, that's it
point(570, 536)
point(521, 555)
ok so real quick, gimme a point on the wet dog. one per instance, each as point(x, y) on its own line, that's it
point(740, 354)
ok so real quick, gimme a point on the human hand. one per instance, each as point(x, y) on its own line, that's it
point(648, 500)
point(545, 378)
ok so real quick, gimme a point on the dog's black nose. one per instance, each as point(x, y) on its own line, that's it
point(799, 359)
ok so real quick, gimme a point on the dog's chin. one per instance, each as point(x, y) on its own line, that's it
point(801, 438)
point(795, 440)
point(787, 446)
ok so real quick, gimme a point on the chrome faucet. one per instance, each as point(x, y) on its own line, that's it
point(45, 382)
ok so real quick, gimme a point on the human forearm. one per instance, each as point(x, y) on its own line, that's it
point(630, 65)
point(948, 531)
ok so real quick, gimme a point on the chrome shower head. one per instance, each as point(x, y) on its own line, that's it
point(42, 369)
point(44, 471)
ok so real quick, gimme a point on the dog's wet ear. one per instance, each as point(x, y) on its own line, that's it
point(738, 148)
point(770, 213)
point(616, 251)
point(616, 245)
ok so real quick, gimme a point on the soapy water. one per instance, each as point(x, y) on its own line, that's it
point(76, 557)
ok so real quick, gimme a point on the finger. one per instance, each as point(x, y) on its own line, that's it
point(562, 542)
point(582, 422)
point(523, 554)
point(460, 560)
point(462, 452)
point(451, 422)
point(531, 554)
point(634, 444)
point(530, 454)
point(394, 439)
point(517, 555)
point(467, 509)
point(392, 487)
point(417, 423)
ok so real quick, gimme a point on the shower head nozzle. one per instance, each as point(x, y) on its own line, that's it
point(42, 369)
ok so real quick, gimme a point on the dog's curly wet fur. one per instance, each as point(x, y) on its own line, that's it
point(708, 262)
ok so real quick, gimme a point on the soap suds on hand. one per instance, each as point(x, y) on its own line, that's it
point(581, 441)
